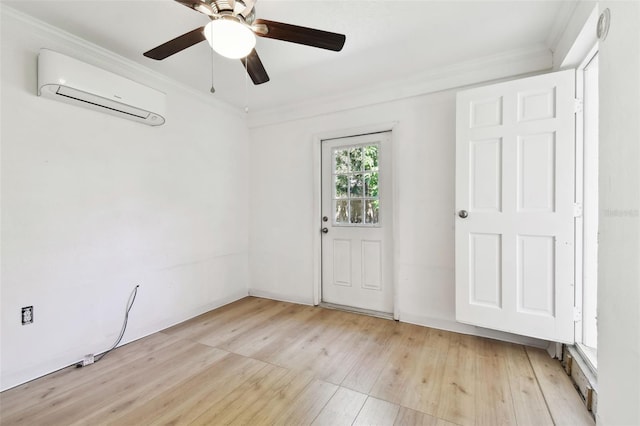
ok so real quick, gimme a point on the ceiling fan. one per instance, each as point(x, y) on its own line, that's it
point(232, 32)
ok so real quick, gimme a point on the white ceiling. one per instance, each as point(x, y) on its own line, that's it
point(387, 41)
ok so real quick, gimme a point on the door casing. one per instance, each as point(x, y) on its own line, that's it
point(317, 201)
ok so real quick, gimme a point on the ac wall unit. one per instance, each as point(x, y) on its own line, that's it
point(68, 80)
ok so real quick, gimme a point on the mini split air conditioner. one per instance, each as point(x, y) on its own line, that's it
point(68, 80)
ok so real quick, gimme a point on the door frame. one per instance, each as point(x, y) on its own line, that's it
point(579, 199)
point(392, 127)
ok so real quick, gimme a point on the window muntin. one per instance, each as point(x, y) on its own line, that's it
point(355, 177)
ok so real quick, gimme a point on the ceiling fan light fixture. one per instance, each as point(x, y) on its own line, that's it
point(230, 38)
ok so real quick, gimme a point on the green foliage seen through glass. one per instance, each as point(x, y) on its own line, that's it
point(351, 183)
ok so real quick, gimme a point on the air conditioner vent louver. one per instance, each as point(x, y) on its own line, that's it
point(69, 80)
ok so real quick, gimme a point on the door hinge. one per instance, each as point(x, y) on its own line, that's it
point(577, 314)
point(578, 105)
point(577, 210)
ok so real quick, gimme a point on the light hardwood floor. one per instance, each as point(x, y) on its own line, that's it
point(259, 361)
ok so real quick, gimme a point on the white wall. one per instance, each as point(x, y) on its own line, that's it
point(619, 227)
point(93, 204)
point(284, 220)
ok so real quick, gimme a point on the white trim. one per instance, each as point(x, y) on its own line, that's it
point(585, 358)
point(508, 64)
point(579, 192)
point(317, 203)
point(395, 193)
point(566, 57)
point(554, 349)
point(107, 59)
point(317, 209)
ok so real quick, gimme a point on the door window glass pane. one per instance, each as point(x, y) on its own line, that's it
point(356, 159)
point(371, 210)
point(371, 157)
point(355, 215)
point(371, 185)
point(341, 210)
point(341, 162)
point(356, 186)
point(340, 187)
point(355, 191)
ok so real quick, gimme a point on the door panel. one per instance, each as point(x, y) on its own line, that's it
point(515, 181)
point(356, 247)
point(485, 275)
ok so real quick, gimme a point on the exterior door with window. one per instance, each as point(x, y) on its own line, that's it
point(515, 182)
point(356, 222)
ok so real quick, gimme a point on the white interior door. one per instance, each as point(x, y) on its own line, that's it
point(515, 152)
point(356, 223)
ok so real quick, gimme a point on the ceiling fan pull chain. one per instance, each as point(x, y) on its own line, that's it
point(246, 85)
point(213, 89)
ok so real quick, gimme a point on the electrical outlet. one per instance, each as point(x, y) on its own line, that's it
point(27, 315)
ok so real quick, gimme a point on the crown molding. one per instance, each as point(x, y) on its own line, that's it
point(563, 17)
point(107, 57)
point(530, 60)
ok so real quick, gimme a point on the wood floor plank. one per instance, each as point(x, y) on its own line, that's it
point(493, 400)
point(342, 408)
point(304, 409)
point(113, 397)
point(275, 400)
point(426, 377)
point(38, 392)
point(358, 344)
point(565, 405)
point(528, 402)
point(395, 378)
point(310, 352)
point(373, 357)
point(299, 365)
point(255, 341)
point(409, 417)
point(78, 402)
point(216, 317)
point(218, 336)
point(183, 403)
point(152, 384)
point(377, 412)
point(457, 400)
point(220, 319)
point(341, 353)
point(243, 398)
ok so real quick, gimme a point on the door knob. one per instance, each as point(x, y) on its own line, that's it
point(325, 230)
point(463, 213)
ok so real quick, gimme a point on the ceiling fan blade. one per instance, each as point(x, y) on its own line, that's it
point(255, 69)
point(176, 45)
point(299, 35)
